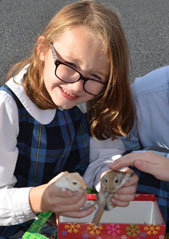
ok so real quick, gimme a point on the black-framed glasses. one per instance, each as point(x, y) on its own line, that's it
point(68, 74)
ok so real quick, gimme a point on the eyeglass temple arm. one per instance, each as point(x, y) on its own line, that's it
point(53, 51)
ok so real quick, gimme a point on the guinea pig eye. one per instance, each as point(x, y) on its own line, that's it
point(74, 183)
point(105, 180)
point(116, 180)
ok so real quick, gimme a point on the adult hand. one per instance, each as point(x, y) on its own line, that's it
point(148, 162)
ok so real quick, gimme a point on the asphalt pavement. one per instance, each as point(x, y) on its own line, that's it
point(145, 22)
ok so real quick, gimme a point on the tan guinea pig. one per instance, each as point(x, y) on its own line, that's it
point(71, 181)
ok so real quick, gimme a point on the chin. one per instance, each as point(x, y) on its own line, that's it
point(62, 105)
point(66, 107)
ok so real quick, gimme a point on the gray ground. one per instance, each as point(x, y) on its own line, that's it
point(145, 22)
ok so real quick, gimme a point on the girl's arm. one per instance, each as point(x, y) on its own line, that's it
point(14, 202)
point(18, 205)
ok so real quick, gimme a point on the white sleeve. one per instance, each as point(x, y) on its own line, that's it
point(102, 153)
point(14, 202)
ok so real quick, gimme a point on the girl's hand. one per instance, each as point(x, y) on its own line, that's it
point(48, 197)
point(147, 162)
point(127, 192)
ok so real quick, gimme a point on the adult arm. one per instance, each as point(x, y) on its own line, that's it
point(155, 163)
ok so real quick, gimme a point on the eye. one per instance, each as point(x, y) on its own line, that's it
point(74, 183)
point(116, 180)
point(95, 77)
point(105, 180)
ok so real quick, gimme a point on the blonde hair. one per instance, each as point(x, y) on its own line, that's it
point(112, 113)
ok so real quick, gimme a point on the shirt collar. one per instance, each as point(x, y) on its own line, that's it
point(42, 116)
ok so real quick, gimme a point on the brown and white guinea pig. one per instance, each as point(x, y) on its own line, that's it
point(112, 180)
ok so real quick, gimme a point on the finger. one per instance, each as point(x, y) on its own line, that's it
point(79, 213)
point(133, 181)
point(122, 200)
point(64, 194)
point(69, 205)
point(122, 162)
point(75, 199)
point(117, 203)
point(59, 204)
point(127, 190)
point(145, 166)
point(127, 170)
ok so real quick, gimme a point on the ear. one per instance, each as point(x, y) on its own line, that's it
point(41, 47)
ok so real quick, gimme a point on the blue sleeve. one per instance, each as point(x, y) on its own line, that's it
point(131, 142)
point(164, 154)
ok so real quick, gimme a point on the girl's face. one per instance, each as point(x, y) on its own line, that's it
point(82, 51)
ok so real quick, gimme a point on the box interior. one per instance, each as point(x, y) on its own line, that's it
point(138, 212)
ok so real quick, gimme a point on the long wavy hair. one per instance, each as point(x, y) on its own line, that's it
point(112, 113)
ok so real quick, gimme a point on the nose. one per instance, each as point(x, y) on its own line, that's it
point(76, 86)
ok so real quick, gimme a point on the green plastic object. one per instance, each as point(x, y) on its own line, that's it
point(36, 226)
point(33, 231)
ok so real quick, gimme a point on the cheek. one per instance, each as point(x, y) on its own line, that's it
point(46, 78)
point(49, 67)
point(89, 97)
point(49, 80)
point(49, 75)
point(103, 187)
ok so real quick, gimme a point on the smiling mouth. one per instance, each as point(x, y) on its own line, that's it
point(68, 95)
point(67, 92)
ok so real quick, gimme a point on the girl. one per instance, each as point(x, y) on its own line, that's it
point(72, 89)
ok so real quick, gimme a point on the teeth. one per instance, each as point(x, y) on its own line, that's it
point(66, 92)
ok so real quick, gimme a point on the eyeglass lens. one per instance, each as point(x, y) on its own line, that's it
point(69, 75)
